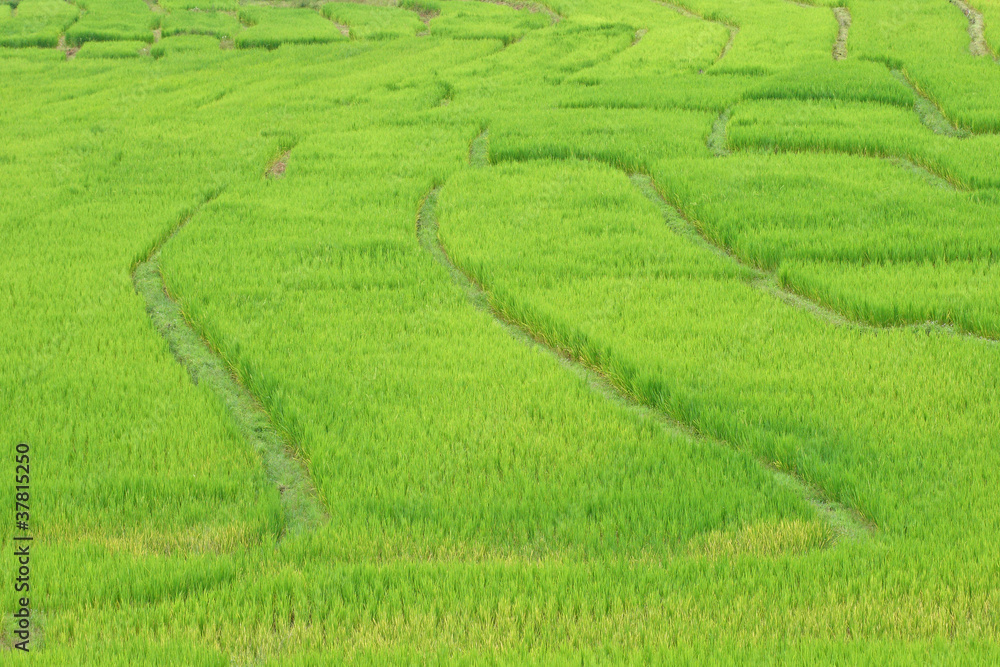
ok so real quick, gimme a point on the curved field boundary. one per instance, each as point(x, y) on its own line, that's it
point(303, 510)
point(684, 11)
point(843, 16)
point(926, 174)
point(930, 115)
point(717, 145)
point(845, 522)
point(978, 46)
point(765, 280)
point(716, 141)
point(760, 279)
point(929, 112)
point(769, 282)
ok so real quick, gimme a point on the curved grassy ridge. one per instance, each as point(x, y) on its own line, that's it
point(496, 452)
point(485, 502)
point(929, 41)
point(821, 206)
point(864, 129)
point(129, 457)
point(681, 329)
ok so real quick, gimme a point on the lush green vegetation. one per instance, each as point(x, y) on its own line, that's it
point(37, 22)
point(110, 20)
point(568, 331)
point(270, 27)
point(374, 21)
point(217, 24)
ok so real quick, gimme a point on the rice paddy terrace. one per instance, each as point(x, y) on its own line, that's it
point(447, 330)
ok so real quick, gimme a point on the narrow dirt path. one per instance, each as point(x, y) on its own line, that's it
point(716, 141)
point(978, 45)
point(843, 15)
point(303, 509)
point(845, 522)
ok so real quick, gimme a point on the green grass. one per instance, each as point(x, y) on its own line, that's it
point(113, 20)
point(174, 6)
point(271, 27)
point(114, 49)
point(580, 332)
point(469, 19)
point(215, 24)
point(374, 21)
point(37, 23)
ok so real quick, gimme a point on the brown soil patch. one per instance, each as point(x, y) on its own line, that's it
point(277, 170)
point(977, 28)
point(844, 19)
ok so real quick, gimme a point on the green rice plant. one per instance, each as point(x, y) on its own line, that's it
point(822, 206)
point(556, 54)
point(374, 21)
point(270, 27)
point(957, 294)
point(113, 20)
point(184, 43)
point(422, 7)
point(849, 81)
point(865, 129)
point(38, 23)
point(203, 5)
point(116, 49)
point(616, 443)
point(678, 45)
point(620, 290)
point(990, 10)
point(930, 42)
point(506, 507)
point(629, 139)
point(470, 19)
point(690, 91)
point(216, 24)
point(773, 35)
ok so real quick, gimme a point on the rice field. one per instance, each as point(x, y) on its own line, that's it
point(556, 331)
